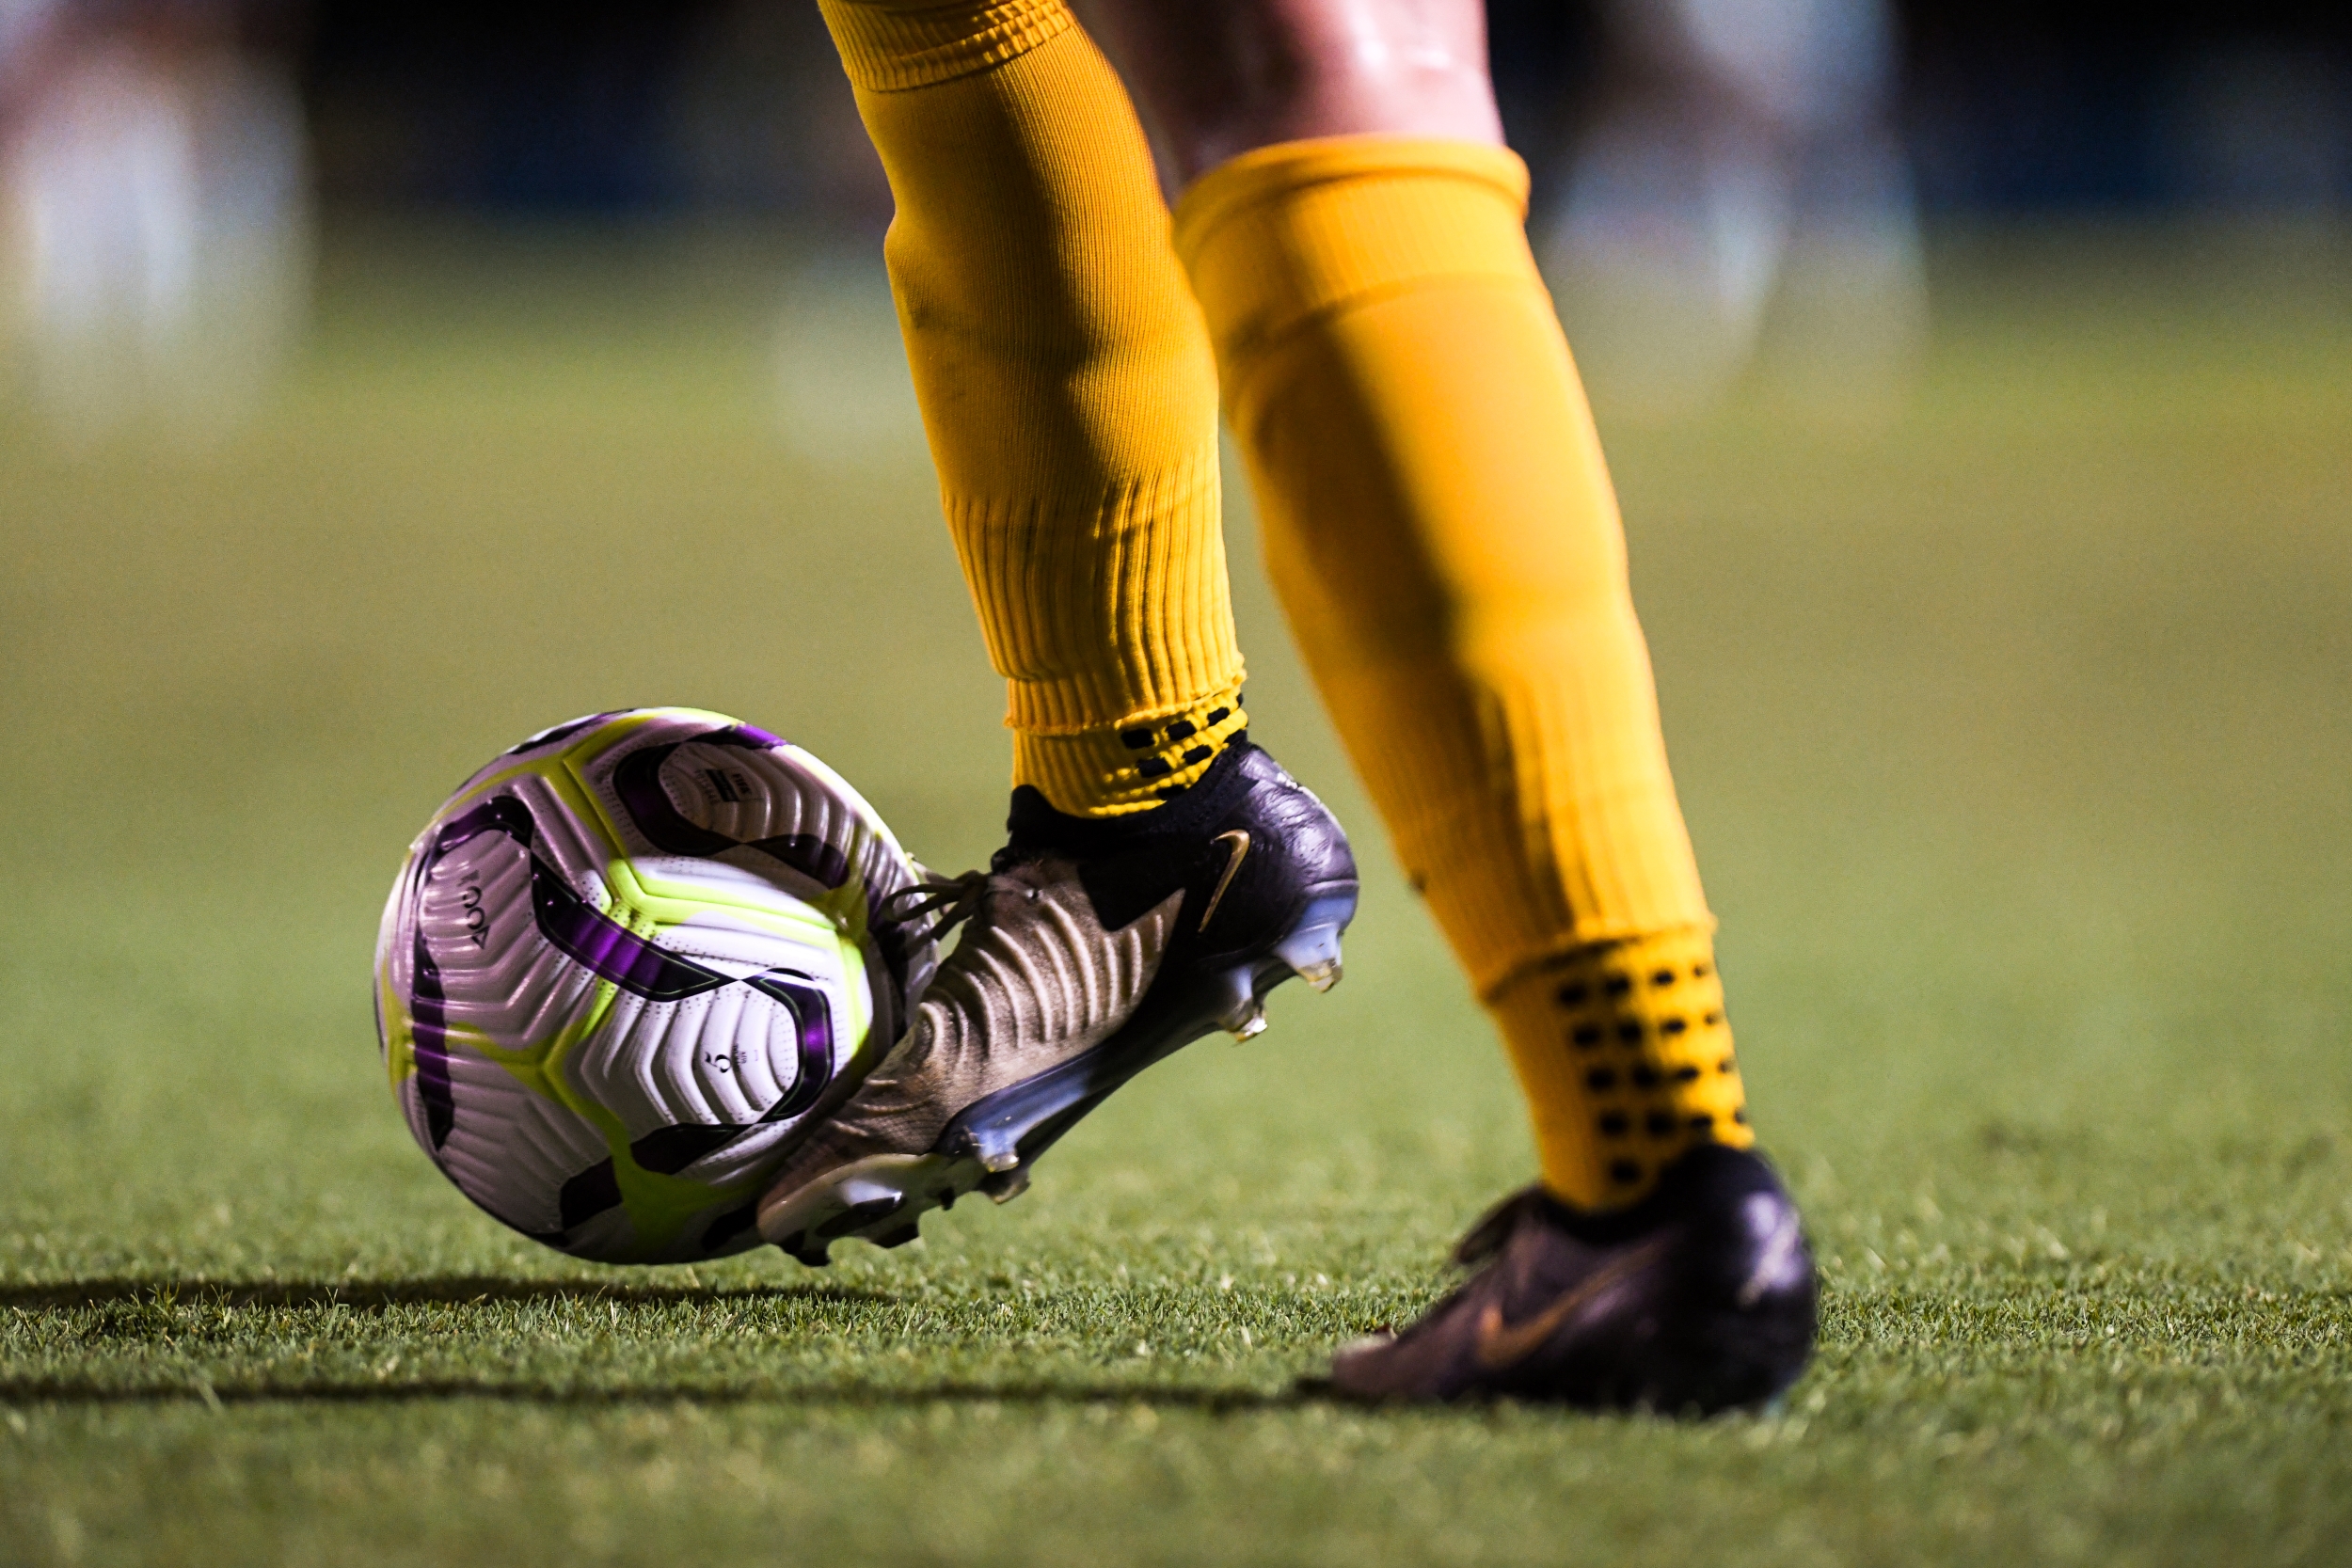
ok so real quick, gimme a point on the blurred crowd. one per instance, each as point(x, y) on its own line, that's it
point(154, 207)
point(1711, 175)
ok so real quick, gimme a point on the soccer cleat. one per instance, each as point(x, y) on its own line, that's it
point(1091, 949)
point(1701, 1297)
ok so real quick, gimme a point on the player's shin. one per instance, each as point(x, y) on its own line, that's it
point(1162, 874)
point(1444, 536)
point(1067, 386)
point(1442, 530)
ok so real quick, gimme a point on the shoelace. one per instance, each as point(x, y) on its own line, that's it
point(954, 900)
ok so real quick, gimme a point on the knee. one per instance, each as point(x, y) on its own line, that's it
point(1215, 78)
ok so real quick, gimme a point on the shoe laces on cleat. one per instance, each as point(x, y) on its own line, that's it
point(952, 899)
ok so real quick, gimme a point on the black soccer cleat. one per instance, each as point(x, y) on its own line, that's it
point(1091, 949)
point(1700, 1298)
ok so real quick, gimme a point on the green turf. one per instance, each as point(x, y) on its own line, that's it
point(2013, 730)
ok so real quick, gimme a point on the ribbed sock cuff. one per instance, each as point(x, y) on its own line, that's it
point(1114, 770)
point(1105, 621)
point(897, 45)
point(1065, 383)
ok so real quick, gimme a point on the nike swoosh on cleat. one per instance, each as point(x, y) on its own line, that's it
point(1499, 1345)
point(1237, 841)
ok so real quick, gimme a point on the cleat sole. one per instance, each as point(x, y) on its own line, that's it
point(1312, 948)
point(1006, 1186)
point(991, 1143)
point(1028, 1117)
point(883, 1196)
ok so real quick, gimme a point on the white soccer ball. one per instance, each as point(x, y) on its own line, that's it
point(622, 964)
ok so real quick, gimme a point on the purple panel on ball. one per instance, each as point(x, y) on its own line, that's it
point(749, 738)
point(428, 1002)
point(428, 1012)
point(608, 948)
point(637, 779)
point(814, 1017)
point(638, 782)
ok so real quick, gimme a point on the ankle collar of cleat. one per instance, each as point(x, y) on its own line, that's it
point(1035, 827)
point(1707, 1170)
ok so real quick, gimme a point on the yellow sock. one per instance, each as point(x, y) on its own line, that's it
point(1133, 766)
point(1066, 385)
point(1625, 1059)
point(1442, 532)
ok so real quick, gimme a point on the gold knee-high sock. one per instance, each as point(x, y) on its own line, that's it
point(1066, 385)
point(1442, 532)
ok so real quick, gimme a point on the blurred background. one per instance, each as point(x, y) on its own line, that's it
point(381, 383)
point(1725, 189)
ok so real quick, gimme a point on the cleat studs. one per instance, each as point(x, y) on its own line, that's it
point(1312, 951)
point(994, 1148)
point(1321, 977)
point(1006, 1186)
point(900, 1237)
point(1249, 1025)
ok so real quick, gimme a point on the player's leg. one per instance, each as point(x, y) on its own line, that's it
point(1442, 532)
point(1162, 871)
point(1065, 382)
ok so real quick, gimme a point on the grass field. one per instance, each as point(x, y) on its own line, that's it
point(2016, 732)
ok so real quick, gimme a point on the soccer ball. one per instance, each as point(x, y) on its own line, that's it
point(622, 964)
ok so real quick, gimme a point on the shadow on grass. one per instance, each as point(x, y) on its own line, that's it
point(374, 1294)
point(55, 1390)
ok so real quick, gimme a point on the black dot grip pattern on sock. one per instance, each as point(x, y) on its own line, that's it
point(1625, 1049)
point(1131, 767)
point(1667, 1077)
